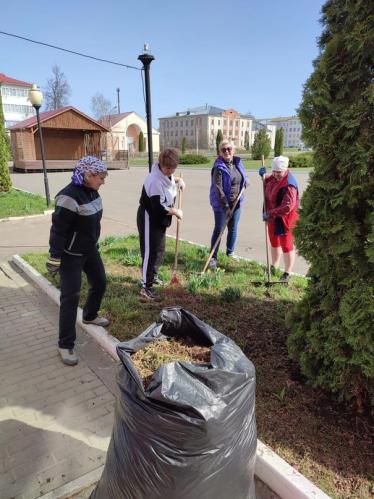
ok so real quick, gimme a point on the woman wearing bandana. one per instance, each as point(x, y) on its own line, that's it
point(73, 244)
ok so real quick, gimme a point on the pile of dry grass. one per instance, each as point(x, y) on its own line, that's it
point(150, 358)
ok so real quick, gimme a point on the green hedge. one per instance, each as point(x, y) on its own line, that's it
point(193, 159)
point(304, 160)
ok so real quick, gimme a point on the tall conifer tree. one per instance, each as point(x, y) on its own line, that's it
point(141, 141)
point(246, 140)
point(279, 139)
point(261, 144)
point(332, 327)
point(219, 139)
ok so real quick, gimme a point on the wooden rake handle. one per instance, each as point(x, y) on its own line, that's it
point(180, 191)
point(266, 225)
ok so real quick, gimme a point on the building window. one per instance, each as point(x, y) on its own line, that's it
point(17, 108)
point(219, 122)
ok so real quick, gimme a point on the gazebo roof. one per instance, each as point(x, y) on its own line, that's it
point(48, 115)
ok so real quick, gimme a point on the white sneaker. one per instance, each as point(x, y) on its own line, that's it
point(98, 321)
point(68, 356)
point(233, 256)
point(213, 264)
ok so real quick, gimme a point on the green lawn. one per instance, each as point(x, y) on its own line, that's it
point(18, 203)
point(302, 425)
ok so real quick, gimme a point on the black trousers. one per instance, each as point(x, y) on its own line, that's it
point(152, 240)
point(71, 279)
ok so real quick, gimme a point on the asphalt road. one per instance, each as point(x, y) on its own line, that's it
point(120, 199)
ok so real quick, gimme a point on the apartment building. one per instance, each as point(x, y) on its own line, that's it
point(292, 129)
point(14, 95)
point(200, 125)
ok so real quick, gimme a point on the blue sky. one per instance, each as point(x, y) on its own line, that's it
point(250, 55)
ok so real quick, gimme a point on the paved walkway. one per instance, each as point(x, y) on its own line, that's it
point(55, 420)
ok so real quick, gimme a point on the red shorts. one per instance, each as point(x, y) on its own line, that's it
point(285, 242)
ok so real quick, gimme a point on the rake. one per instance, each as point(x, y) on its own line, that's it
point(175, 277)
point(269, 282)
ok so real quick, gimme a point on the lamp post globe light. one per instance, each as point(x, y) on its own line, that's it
point(36, 99)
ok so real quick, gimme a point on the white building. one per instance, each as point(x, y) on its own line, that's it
point(292, 129)
point(124, 136)
point(14, 95)
point(199, 127)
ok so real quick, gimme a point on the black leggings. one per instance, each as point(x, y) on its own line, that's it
point(152, 240)
point(71, 278)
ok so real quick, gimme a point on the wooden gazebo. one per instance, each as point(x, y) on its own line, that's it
point(68, 134)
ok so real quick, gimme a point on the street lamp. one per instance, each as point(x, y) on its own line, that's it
point(36, 99)
point(146, 59)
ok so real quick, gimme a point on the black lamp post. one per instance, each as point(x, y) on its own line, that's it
point(146, 59)
point(36, 99)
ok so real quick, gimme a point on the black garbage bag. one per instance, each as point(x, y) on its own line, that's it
point(192, 433)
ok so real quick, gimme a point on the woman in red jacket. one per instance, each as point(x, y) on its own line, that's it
point(281, 202)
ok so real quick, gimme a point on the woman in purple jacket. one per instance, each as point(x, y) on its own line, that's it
point(228, 177)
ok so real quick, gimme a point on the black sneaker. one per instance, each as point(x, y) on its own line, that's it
point(272, 270)
point(148, 294)
point(285, 277)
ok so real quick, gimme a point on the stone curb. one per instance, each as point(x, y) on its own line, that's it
point(76, 487)
point(274, 471)
point(10, 219)
point(100, 335)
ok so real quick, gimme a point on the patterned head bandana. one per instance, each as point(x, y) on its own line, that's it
point(87, 164)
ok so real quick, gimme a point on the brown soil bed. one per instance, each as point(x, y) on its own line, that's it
point(150, 358)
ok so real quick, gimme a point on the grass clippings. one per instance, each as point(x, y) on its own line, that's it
point(150, 358)
point(327, 442)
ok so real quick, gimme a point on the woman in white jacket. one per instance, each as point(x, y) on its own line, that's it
point(156, 207)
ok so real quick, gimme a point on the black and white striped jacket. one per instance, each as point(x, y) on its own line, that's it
point(158, 196)
point(75, 221)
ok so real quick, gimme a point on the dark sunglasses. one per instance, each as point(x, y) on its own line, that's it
point(226, 149)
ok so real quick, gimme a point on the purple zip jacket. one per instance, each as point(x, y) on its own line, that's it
point(226, 181)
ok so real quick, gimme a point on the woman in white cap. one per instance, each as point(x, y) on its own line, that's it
point(73, 245)
point(282, 202)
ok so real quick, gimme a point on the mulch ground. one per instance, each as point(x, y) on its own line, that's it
point(327, 441)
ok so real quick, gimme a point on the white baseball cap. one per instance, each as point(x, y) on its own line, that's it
point(279, 164)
